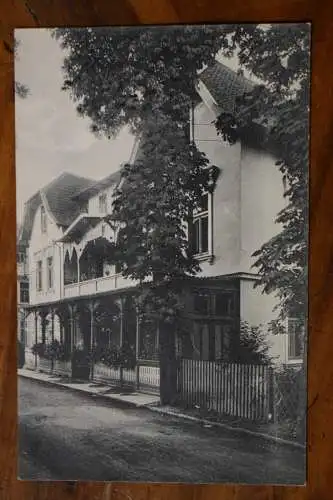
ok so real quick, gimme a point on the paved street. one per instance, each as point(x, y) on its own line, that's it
point(66, 435)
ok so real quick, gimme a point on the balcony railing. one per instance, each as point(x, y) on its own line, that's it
point(97, 285)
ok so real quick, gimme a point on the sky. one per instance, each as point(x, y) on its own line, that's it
point(50, 136)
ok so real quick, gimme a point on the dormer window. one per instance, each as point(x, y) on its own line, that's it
point(43, 220)
point(102, 203)
point(84, 207)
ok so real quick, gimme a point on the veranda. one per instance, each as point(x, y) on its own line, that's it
point(104, 335)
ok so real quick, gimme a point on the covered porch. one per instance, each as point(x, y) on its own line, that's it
point(104, 335)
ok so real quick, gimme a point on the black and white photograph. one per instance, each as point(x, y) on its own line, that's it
point(162, 178)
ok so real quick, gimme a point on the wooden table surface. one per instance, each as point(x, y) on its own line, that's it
point(47, 13)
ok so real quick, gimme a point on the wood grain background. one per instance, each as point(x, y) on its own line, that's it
point(48, 13)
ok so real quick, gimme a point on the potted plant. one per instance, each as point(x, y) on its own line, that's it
point(41, 351)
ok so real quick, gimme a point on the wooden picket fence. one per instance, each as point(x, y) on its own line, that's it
point(145, 378)
point(243, 391)
point(61, 368)
point(55, 367)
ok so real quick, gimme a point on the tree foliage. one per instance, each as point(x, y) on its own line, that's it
point(122, 76)
point(145, 78)
point(278, 56)
point(253, 346)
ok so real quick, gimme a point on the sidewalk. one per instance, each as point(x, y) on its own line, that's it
point(271, 432)
point(93, 389)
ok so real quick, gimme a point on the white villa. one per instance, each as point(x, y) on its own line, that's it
point(76, 293)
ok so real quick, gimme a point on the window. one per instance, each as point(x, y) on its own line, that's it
point(213, 302)
point(39, 283)
point(50, 272)
point(43, 220)
point(84, 207)
point(295, 339)
point(201, 303)
point(200, 227)
point(224, 304)
point(207, 341)
point(24, 292)
point(20, 257)
point(102, 203)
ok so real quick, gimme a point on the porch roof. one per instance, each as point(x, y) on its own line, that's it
point(81, 224)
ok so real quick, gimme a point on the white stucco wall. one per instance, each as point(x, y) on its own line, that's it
point(257, 309)
point(246, 201)
point(261, 200)
point(226, 198)
point(93, 203)
point(42, 245)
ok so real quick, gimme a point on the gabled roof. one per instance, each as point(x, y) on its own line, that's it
point(225, 85)
point(95, 187)
point(58, 196)
point(81, 224)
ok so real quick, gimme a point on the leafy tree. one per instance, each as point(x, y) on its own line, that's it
point(278, 55)
point(145, 78)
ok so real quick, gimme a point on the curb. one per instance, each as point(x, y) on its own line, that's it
point(268, 437)
point(170, 413)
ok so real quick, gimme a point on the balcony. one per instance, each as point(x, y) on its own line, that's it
point(97, 285)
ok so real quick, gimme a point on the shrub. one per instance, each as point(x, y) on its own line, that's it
point(115, 356)
point(54, 350)
point(253, 346)
point(39, 349)
point(290, 399)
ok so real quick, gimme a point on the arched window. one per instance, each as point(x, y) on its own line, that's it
point(67, 269)
point(74, 266)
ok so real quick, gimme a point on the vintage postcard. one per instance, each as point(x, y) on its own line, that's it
point(162, 248)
